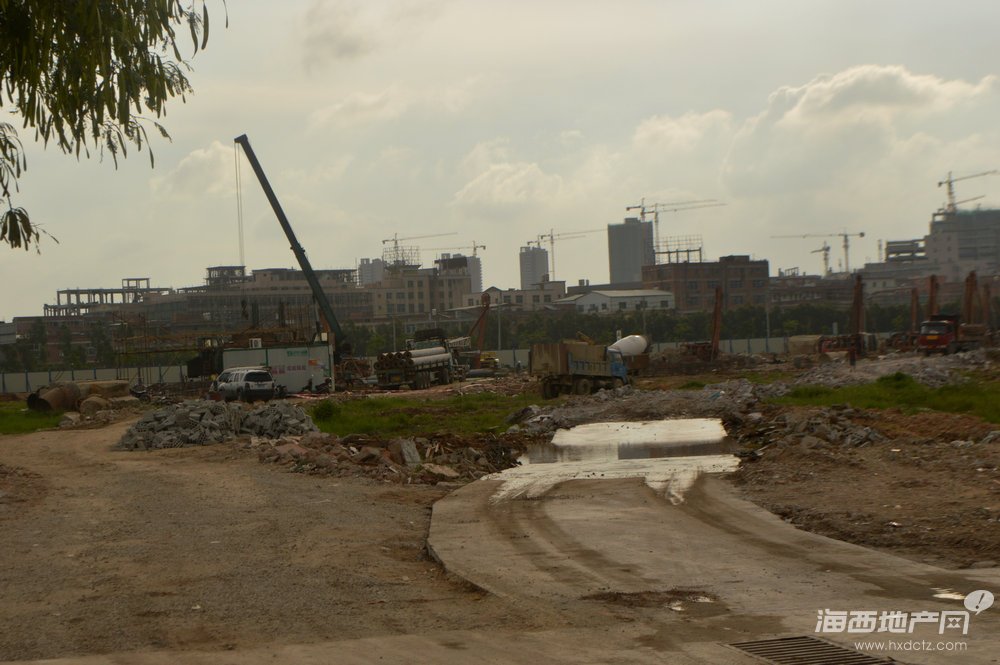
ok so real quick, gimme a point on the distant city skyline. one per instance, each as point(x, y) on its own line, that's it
point(499, 122)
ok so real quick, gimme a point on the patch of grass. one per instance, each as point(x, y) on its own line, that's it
point(978, 398)
point(691, 385)
point(15, 418)
point(390, 416)
point(766, 377)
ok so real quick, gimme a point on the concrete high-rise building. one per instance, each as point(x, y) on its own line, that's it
point(964, 240)
point(473, 264)
point(371, 271)
point(534, 267)
point(630, 247)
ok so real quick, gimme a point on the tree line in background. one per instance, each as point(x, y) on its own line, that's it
point(516, 330)
point(521, 330)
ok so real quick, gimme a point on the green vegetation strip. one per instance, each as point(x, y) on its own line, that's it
point(399, 416)
point(978, 398)
point(15, 418)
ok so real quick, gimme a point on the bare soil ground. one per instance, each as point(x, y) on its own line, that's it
point(927, 493)
point(205, 548)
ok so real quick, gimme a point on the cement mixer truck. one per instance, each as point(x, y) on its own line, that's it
point(582, 367)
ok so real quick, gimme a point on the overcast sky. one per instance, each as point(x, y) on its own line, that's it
point(498, 121)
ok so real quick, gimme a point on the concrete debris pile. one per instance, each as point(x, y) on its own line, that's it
point(440, 458)
point(201, 422)
point(727, 401)
point(813, 429)
point(933, 372)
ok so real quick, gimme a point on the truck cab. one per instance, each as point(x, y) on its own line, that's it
point(939, 333)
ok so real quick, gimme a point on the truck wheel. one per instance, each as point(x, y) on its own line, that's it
point(617, 383)
point(550, 390)
point(951, 349)
point(581, 386)
point(444, 376)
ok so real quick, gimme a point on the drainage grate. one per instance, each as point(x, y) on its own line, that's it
point(806, 651)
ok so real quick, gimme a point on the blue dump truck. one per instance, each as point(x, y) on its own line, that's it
point(578, 368)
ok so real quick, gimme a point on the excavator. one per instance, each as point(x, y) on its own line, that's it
point(347, 369)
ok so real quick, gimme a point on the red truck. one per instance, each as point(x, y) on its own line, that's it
point(945, 333)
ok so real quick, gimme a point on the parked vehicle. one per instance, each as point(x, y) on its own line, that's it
point(245, 384)
point(576, 367)
point(946, 333)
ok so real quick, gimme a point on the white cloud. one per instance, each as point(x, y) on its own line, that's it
point(838, 128)
point(483, 155)
point(685, 133)
point(509, 184)
point(360, 108)
point(367, 108)
point(203, 172)
point(334, 30)
point(338, 31)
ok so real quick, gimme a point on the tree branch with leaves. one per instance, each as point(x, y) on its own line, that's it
point(88, 76)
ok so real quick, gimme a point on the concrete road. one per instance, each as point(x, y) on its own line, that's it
point(619, 538)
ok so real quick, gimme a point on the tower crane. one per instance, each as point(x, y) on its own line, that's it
point(397, 255)
point(845, 236)
point(950, 182)
point(395, 237)
point(552, 236)
point(475, 247)
point(826, 257)
point(675, 206)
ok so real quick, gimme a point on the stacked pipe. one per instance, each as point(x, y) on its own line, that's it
point(412, 358)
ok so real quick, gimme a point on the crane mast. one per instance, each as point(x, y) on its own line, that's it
point(340, 345)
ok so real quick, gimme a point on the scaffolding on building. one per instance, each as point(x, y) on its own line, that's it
point(680, 249)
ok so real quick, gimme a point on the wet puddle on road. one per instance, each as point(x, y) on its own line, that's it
point(668, 454)
point(633, 440)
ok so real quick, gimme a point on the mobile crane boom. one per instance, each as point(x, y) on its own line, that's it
point(340, 344)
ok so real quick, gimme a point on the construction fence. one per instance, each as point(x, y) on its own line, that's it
point(26, 382)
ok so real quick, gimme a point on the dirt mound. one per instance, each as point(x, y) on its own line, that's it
point(925, 486)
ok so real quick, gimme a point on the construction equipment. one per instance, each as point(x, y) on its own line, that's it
point(951, 333)
point(709, 351)
point(576, 367)
point(826, 257)
point(857, 343)
point(933, 286)
point(347, 370)
point(675, 206)
point(396, 255)
point(952, 205)
point(475, 247)
point(946, 333)
point(340, 347)
point(477, 358)
point(552, 236)
point(845, 236)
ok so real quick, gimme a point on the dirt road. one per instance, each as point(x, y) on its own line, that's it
point(205, 548)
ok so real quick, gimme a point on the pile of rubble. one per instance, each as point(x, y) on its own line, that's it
point(933, 372)
point(440, 458)
point(728, 401)
point(200, 422)
point(812, 428)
